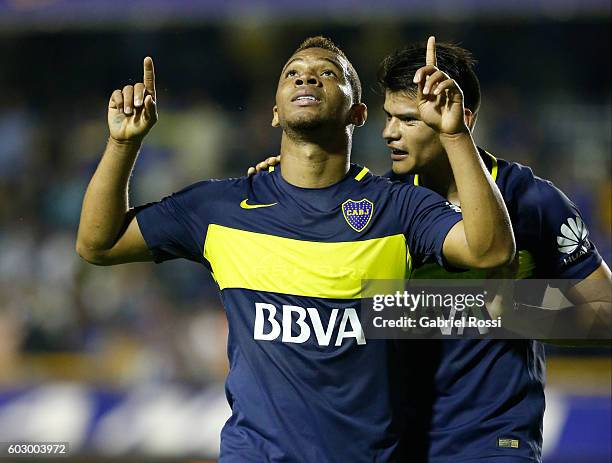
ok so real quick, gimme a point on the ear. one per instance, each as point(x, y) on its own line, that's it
point(358, 114)
point(275, 121)
point(469, 118)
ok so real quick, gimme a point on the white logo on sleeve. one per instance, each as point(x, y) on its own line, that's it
point(573, 239)
point(573, 234)
point(454, 207)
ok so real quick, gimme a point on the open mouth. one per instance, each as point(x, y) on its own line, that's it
point(305, 99)
point(398, 155)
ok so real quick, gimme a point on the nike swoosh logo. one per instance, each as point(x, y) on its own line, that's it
point(244, 205)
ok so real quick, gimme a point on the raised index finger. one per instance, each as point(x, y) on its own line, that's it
point(149, 76)
point(430, 57)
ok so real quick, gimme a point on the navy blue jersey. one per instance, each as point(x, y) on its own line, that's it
point(465, 400)
point(304, 384)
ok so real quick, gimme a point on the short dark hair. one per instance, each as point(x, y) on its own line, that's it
point(397, 70)
point(326, 44)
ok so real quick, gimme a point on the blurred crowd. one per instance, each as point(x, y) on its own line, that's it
point(545, 105)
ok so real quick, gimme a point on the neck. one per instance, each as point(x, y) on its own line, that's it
point(310, 163)
point(440, 179)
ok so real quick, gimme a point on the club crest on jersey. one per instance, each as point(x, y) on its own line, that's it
point(358, 213)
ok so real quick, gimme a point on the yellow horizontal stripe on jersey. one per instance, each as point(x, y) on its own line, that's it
point(257, 261)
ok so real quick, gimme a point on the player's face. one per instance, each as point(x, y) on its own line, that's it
point(313, 91)
point(413, 143)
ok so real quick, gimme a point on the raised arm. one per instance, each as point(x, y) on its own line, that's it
point(108, 231)
point(483, 239)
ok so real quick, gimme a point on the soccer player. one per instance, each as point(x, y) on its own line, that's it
point(289, 249)
point(481, 400)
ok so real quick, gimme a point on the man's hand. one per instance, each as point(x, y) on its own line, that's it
point(108, 231)
point(133, 111)
point(263, 165)
point(439, 98)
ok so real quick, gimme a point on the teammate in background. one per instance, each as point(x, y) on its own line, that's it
point(483, 399)
point(476, 400)
point(289, 249)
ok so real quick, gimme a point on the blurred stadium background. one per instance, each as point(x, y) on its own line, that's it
point(128, 364)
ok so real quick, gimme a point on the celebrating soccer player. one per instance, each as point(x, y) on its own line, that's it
point(483, 400)
point(477, 400)
point(289, 249)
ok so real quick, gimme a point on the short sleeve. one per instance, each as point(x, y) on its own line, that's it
point(175, 227)
point(426, 220)
point(561, 240)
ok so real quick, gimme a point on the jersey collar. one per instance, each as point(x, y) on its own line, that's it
point(489, 160)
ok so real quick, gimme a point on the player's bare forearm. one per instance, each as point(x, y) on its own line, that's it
point(487, 226)
point(586, 324)
point(590, 317)
point(484, 238)
point(105, 204)
point(107, 233)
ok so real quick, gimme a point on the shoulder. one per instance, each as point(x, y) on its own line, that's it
point(381, 182)
point(394, 189)
point(369, 181)
point(212, 185)
point(206, 194)
point(547, 222)
point(215, 186)
point(402, 178)
point(510, 176)
point(523, 188)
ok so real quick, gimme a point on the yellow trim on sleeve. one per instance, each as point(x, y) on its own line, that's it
point(493, 166)
point(271, 169)
point(526, 264)
point(256, 261)
point(362, 174)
